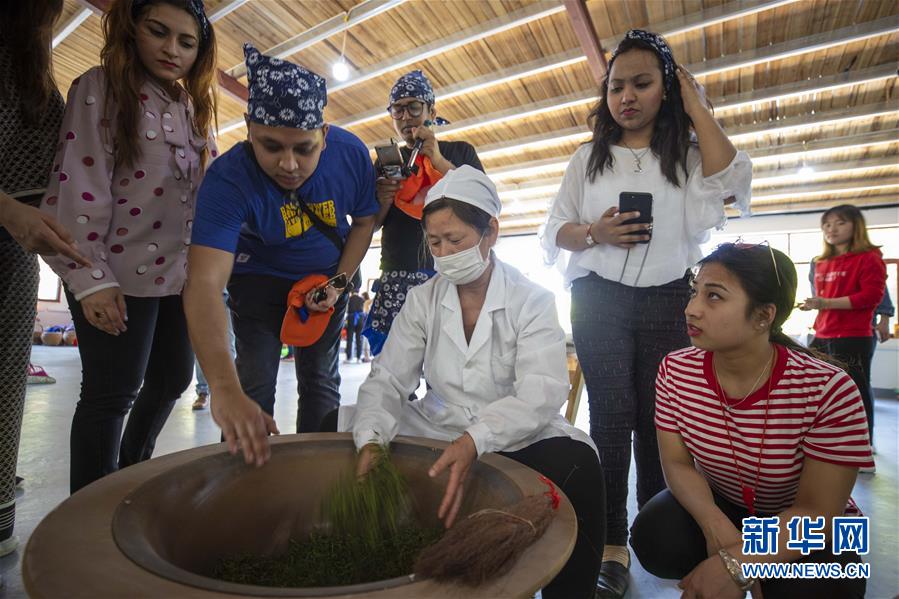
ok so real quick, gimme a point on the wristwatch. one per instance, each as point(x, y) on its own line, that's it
point(735, 571)
point(589, 238)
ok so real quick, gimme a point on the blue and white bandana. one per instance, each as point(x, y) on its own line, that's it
point(414, 84)
point(195, 7)
point(283, 94)
point(661, 48)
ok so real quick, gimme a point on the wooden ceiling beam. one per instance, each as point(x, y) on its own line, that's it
point(763, 177)
point(809, 191)
point(804, 45)
point(98, 7)
point(358, 14)
point(714, 15)
point(232, 87)
point(229, 85)
point(583, 27)
point(225, 9)
point(827, 145)
point(71, 24)
point(817, 120)
point(807, 87)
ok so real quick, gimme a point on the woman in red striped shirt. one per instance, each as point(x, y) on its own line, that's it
point(749, 423)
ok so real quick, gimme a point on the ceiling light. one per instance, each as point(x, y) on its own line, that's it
point(341, 70)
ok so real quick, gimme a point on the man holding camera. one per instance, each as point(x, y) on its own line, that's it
point(404, 262)
point(275, 210)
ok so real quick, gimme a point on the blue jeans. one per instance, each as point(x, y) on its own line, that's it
point(257, 306)
point(202, 383)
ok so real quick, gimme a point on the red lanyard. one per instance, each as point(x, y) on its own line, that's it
point(748, 492)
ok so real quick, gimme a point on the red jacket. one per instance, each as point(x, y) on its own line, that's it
point(861, 276)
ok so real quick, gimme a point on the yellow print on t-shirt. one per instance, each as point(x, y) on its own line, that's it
point(296, 223)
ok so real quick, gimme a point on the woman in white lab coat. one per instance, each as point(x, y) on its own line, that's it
point(490, 347)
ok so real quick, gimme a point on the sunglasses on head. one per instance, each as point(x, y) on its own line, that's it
point(740, 245)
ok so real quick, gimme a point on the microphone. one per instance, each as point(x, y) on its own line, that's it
point(416, 148)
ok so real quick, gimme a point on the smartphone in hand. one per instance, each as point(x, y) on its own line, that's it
point(634, 201)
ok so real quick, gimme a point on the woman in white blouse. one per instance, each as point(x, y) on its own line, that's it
point(489, 345)
point(628, 281)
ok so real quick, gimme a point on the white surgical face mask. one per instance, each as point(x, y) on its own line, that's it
point(462, 267)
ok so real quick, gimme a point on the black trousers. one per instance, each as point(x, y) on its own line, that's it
point(621, 334)
point(573, 467)
point(856, 354)
point(669, 544)
point(145, 370)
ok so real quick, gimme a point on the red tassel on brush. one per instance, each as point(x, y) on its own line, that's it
point(487, 543)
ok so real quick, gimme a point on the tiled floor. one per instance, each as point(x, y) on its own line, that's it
point(44, 462)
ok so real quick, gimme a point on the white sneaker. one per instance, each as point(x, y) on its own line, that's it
point(9, 545)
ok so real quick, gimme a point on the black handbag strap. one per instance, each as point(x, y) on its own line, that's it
point(327, 231)
point(330, 232)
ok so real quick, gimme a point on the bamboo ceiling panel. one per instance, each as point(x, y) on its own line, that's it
point(509, 140)
point(69, 9)
point(230, 108)
point(875, 196)
point(528, 42)
point(267, 23)
point(541, 87)
point(403, 29)
point(78, 52)
point(561, 151)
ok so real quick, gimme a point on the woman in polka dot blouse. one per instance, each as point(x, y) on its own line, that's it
point(134, 143)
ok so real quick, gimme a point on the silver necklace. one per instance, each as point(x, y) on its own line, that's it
point(638, 166)
point(730, 407)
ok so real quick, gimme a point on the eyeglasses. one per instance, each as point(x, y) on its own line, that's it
point(413, 109)
point(745, 246)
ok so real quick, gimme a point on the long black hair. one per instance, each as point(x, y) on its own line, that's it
point(764, 283)
point(671, 133)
